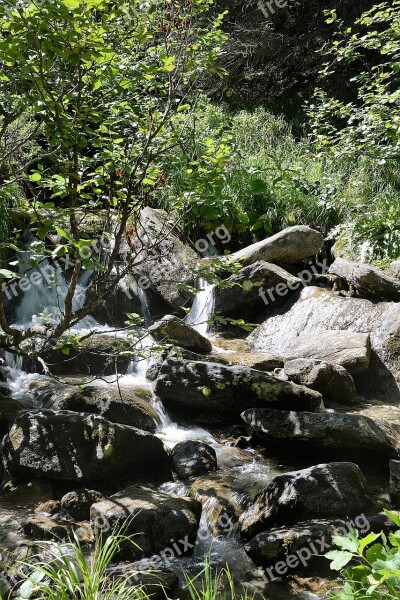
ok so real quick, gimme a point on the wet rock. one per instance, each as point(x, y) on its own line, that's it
point(193, 459)
point(288, 550)
point(249, 284)
point(78, 502)
point(325, 491)
point(26, 495)
point(332, 381)
point(155, 519)
point(324, 430)
point(80, 447)
point(126, 297)
point(211, 387)
point(9, 409)
point(117, 405)
point(344, 348)
point(317, 311)
point(289, 246)
point(162, 257)
point(51, 507)
point(44, 528)
point(171, 328)
point(98, 355)
point(367, 280)
point(224, 497)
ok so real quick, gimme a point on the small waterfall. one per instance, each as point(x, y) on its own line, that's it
point(44, 302)
point(144, 306)
point(203, 307)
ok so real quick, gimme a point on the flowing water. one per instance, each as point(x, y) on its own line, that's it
point(245, 468)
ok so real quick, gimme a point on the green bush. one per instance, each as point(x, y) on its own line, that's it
point(373, 571)
point(269, 179)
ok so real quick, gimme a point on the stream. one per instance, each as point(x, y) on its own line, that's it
point(246, 469)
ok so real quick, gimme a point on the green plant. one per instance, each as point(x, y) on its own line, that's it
point(74, 573)
point(374, 567)
point(371, 125)
point(214, 584)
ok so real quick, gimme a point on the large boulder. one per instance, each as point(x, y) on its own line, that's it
point(367, 280)
point(161, 257)
point(156, 520)
point(215, 388)
point(126, 297)
point(79, 447)
point(173, 329)
point(329, 490)
point(324, 430)
point(119, 406)
point(289, 246)
point(294, 549)
point(317, 311)
point(332, 381)
point(193, 459)
point(249, 285)
point(97, 355)
point(344, 348)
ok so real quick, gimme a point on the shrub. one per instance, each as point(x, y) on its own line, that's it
point(372, 565)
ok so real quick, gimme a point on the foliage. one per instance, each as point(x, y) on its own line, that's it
point(273, 180)
point(214, 584)
point(374, 564)
point(71, 573)
point(105, 84)
point(369, 126)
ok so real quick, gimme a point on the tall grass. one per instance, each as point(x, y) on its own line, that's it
point(215, 584)
point(70, 572)
point(273, 180)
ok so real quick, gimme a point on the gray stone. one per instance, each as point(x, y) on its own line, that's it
point(212, 387)
point(289, 246)
point(367, 280)
point(193, 459)
point(118, 406)
point(172, 328)
point(79, 447)
point(332, 381)
point(324, 430)
point(162, 259)
point(154, 519)
point(268, 548)
point(247, 286)
point(317, 311)
point(344, 348)
point(78, 502)
point(324, 491)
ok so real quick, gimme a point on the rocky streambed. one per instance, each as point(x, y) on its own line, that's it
point(256, 449)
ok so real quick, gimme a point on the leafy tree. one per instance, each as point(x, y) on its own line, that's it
point(101, 84)
point(369, 126)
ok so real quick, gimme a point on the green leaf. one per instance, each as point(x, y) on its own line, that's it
point(348, 542)
point(339, 559)
point(372, 537)
point(6, 274)
point(393, 516)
